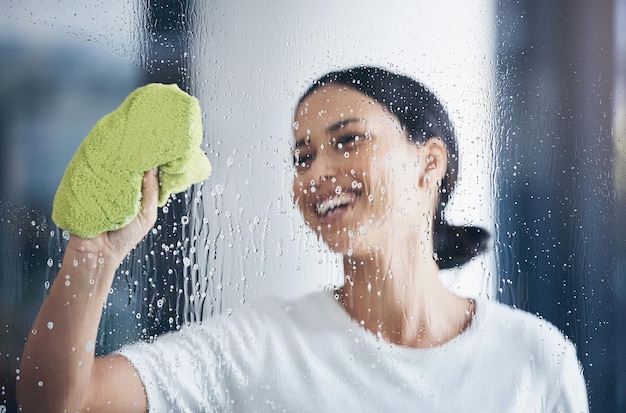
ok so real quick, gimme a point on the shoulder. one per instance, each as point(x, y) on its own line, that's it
point(543, 358)
point(222, 351)
point(522, 324)
point(273, 308)
point(265, 317)
point(524, 335)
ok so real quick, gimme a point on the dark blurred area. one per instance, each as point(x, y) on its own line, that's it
point(51, 93)
point(560, 71)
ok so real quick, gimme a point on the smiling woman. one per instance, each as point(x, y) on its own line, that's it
point(393, 338)
point(381, 122)
point(370, 190)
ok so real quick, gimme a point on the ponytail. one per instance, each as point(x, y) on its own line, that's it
point(456, 245)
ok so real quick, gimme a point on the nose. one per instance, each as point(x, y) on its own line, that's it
point(324, 168)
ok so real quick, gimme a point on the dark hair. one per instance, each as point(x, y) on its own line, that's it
point(423, 116)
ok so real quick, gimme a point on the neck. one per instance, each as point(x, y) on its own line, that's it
point(397, 294)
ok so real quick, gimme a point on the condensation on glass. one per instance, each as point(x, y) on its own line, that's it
point(237, 236)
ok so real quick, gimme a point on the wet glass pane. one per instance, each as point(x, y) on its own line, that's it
point(536, 97)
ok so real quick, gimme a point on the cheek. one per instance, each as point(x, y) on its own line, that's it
point(299, 191)
point(383, 186)
point(375, 181)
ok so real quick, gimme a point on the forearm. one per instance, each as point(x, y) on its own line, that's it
point(57, 363)
point(57, 368)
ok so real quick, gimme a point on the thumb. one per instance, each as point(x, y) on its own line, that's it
point(149, 198)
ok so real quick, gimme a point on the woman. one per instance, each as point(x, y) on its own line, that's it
point(375, 162)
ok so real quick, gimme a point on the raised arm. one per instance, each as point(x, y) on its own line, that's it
point(58, 370)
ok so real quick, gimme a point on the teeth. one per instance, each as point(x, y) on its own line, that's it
point(333, 202)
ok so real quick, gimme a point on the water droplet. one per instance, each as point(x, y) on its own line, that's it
point(50, 325)
point(362, 230)
point(50, 262)
point(40, 383)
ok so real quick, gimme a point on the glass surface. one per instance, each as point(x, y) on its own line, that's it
point(540, 118)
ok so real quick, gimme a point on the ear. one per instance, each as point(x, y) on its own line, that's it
point(435, 163)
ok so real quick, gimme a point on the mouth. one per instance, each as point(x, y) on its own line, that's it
point(332, 205)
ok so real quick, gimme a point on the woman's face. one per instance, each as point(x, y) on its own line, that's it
point(358, 179)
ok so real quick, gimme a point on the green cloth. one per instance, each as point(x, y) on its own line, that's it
point(156, 126)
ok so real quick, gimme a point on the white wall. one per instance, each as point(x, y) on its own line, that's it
point(253, 60)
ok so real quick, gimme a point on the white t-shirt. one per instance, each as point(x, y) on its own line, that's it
point(308, 355)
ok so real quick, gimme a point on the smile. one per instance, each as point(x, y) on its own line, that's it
point(328, 204)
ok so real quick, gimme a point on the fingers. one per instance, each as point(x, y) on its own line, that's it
point(123, 240)
point(149, 196)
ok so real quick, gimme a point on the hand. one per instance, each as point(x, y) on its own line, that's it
point(113, 246)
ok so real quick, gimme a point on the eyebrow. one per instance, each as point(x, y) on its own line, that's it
point(332, 128)
point(342, 123)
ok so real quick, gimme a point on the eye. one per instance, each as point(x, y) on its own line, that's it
point(302, 160)
point(348, 141)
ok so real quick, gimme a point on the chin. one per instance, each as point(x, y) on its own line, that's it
point(337, 235)
point(339, 248)
point(342, 243)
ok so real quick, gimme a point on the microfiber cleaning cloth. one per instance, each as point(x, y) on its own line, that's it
point(156, 126)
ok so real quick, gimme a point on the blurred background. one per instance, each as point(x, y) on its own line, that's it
point(537, 91)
